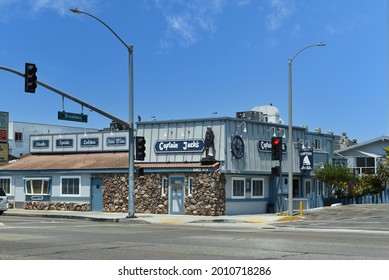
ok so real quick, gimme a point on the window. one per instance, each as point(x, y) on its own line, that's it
point(18, 136)
point(257, 188)
point(190, 186)
point(164, 185)
point(37, 186)
point(70, 185)
point(320, 189)
point(365, 165)
point(238, 187)
point(5, 184)
point(307, 187)
point(317, 144)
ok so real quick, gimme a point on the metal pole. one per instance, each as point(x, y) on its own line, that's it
point(131, 181)
point(290, 133)
point(68, 96)
point(290, 142)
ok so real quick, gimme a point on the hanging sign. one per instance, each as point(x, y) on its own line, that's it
point(306, 160)
point(74, 117)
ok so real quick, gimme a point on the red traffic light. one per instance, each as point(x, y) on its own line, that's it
point(276, 148)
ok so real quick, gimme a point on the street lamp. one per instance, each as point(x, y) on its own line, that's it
point(290, 134)
point(131, 183)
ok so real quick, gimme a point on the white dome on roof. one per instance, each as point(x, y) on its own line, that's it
point(270, 113)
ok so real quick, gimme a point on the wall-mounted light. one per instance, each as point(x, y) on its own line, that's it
point(281, 129)
point(244, 128)
point(304, 144)
point(274, 131)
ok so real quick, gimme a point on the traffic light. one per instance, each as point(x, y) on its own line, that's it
point(276, 148)
point(140, 148)
point(30, 77)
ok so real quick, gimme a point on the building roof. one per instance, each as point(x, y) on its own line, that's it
point(90, 161)
point(363, 144)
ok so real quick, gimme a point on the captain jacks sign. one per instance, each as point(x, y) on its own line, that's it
point(179, 146)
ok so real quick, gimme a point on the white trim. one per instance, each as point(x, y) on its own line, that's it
point(70, 177)
point(190, 186)
point(164, 184)
point(305, 186)
point(262, 186)
point(232, 187)
point(10, 184)
point(43, 179)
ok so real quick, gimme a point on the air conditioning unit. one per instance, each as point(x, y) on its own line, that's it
point(250, 115)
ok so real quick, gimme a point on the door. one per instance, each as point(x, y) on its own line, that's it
point(176, 194)
point(97, 194)
point(296, 188)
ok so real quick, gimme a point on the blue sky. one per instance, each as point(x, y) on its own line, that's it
point(194, 58)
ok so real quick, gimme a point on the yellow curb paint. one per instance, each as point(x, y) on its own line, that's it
point(171, 221)
point(288, 218)
point(256, 220)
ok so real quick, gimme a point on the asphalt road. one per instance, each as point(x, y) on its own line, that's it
point(337, 233)
point(347, 218)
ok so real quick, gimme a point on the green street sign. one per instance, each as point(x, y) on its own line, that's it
point(66, 116)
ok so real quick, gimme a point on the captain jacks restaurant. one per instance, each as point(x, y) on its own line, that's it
point(215, 166)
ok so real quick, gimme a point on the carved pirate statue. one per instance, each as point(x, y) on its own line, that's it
point(208, 142)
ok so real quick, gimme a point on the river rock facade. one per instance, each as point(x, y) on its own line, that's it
point(206, 198)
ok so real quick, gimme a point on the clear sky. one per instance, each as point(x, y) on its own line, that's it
point(197, 57)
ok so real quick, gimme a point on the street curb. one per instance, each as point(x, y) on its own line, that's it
point(74, 217)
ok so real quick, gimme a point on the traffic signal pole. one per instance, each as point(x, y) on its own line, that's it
point(68, 96)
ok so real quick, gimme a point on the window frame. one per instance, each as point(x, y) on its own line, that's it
point(18, 136)
point(317, 144)
point(31, 187)
point(164, 185)
point(308, 186)
point(262, 187)
point(238, 179)
point(190, 179)
point(70, 177)
point(9, 192)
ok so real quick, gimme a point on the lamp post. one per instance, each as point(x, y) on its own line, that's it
point(131, 183)
point(290, 134)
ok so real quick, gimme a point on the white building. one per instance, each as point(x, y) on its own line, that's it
point(364, 158)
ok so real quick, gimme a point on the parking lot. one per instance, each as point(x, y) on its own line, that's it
point(372, 217)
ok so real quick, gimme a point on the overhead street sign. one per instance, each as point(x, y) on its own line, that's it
point(74, 117)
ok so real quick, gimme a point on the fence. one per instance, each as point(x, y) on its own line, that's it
point(315, 201)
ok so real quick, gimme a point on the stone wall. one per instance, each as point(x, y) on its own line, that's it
point(115, 192)
point(208, 196)
point(59, 206)
point(149, 198)
point(207, 193)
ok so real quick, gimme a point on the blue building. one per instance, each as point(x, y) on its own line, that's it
point(214, 166)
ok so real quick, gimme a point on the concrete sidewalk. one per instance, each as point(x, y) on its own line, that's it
point(151, 218)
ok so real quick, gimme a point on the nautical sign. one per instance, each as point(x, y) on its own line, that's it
point(306, 160)
point(64, 143)
point(179, 146)
point(116, 141)
point(89, 142)
point(41, 144)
